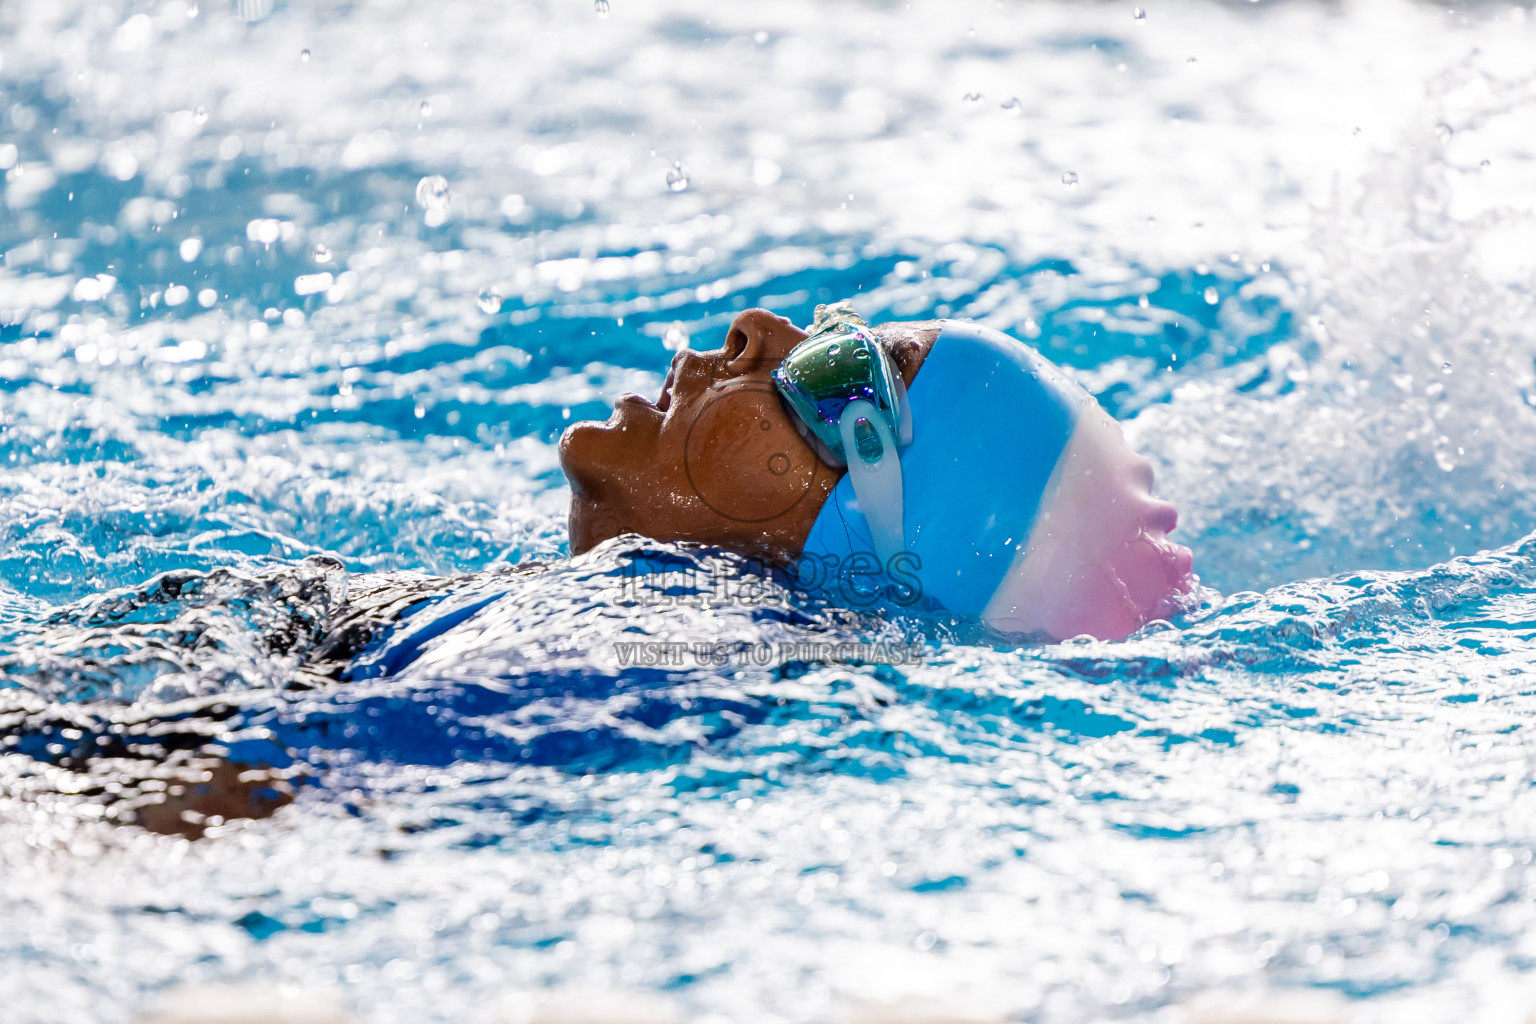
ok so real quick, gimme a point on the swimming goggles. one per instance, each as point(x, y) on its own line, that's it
point(851, 406)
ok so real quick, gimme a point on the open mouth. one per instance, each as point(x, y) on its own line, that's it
point(664, 402)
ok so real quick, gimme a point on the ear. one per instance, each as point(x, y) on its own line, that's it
point(758, 341)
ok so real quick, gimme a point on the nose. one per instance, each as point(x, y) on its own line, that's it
point(758, 340)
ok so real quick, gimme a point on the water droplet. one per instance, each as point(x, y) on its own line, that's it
point(1446, 368)
point(677, 177)
point(304, 56)
point(1264, 266)
point(432, 197)
point(601, 7)
point(1356, 131)
point(192, 10)
point(1444, 131)
point(426, 108)
point(1190, 60)
point(1069, 179)
point(973, 97)
point(759, 37)
point(1151, 222)
point(676, 339)
point(200, 114)
point(322, 253)
point(431, 189)
point(489, 302)
point(1139, 15)
point(1012, 105)
point(1211, 296)
point(1143, 302)
point(1486, 163)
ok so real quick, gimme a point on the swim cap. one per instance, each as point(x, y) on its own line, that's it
point(1022, 505)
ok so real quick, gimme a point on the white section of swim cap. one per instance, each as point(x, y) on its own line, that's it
point(1061, 583)
point(877, 485)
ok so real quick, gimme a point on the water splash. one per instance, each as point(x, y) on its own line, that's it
point(1292, 786)
point(1399, 463)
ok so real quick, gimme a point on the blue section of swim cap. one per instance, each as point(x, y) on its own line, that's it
point(991, 418)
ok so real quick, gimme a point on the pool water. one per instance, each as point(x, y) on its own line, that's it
point(298, 296)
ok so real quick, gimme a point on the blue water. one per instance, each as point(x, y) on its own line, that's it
point(1289, 247)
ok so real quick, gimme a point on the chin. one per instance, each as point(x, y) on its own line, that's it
point(577, 434)
point(582, 454)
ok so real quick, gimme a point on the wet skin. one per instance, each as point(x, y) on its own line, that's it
point(717, 459)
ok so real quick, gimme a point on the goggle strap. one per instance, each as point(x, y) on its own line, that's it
point(903, 406)
point(876, 484)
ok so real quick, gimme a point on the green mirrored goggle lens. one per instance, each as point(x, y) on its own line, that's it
point(841, 362)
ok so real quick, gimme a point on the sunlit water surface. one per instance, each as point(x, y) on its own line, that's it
point(332, 281)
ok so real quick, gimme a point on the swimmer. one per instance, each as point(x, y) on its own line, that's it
point(941, 456)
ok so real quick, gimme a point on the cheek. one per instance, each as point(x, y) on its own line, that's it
point(744, 461)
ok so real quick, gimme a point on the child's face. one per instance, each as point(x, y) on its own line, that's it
point(715, 459)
